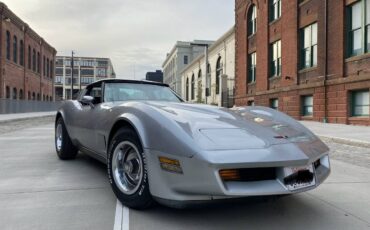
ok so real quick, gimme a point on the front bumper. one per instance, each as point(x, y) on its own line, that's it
point(200, 180)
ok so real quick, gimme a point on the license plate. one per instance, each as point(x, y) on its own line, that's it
point(299, 177)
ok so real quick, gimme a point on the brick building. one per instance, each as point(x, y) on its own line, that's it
point(307, 58)
point(26, 60)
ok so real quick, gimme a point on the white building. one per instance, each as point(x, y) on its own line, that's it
point(85, 71)
point(180, 56)
point(218, 87)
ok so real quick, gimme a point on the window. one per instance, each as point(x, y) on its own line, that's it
point(7, 45)
point(88, 72)
point(360, 103)
point(38, 62)
point(208, 80)
point(59, 71)
point(14, 93)
point(275, 9)
point(34, 60)
point(20, 94)
point(275, 56)
point(274, 103)
point(252, 62)
point(33, 96)
point(309, 46)
point(47, 67)
point(29, 57)
point(15, 49)
point(218, 74)
point(192, 87)
point(187, 89)
point(252, 20)
point(44, 66)
point(7, 92)
point(51, 69)
point(307, 105)
point(186, 60)
point(358, 25)
point(21, 53)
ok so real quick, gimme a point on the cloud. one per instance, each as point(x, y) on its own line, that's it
point(135, 34)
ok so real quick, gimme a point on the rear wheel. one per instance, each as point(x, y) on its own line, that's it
point(127, 170)
point(63, 144)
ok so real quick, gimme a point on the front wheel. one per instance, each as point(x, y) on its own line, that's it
point(63, 144)
point(127, 170)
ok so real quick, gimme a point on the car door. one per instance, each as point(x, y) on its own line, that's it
point(87, 117)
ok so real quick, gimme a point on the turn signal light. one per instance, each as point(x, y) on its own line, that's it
point(229, 174)
point(170, 165)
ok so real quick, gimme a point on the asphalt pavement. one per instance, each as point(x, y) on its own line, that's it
point(38, 191)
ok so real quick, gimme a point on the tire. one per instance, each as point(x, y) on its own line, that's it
point(63, 145)
point(127, 170)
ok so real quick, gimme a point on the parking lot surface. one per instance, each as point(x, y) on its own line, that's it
point(38, 191)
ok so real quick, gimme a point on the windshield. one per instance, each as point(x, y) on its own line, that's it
point(132, 91)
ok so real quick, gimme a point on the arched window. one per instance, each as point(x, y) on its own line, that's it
point(21, 53)
point(192, 87)
point(252, 20)
point(34, 60)
point(29, 57)
point(218, 74)
point(20, 94)
point(208, 80)
point(7, 92)
point(199, 85)
point(15, 49)
point(14, 93)
point(7, 45)
point(187, 89)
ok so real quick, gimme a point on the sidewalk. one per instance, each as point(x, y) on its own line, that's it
point(24, 116)
point(340, 133)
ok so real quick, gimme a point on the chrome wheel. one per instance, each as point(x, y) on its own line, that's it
point(59, 136)
point(127, 167)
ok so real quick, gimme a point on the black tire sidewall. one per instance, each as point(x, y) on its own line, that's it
point(142, 198)
point(67, 150)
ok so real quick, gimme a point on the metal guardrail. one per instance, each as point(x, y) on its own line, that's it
point(23, 106)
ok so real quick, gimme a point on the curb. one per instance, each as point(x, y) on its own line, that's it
point(345, 141)
point(25, 119)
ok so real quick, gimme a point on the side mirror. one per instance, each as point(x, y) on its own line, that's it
point(88, 100)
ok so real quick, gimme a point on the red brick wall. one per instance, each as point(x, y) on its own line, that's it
point(331, 97)
point(14, 75)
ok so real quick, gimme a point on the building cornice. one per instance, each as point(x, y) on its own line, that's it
point(219, 41)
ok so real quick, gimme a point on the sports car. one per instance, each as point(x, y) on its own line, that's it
point(159, 148)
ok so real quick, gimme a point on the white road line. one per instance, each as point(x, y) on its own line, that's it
point(121, 219)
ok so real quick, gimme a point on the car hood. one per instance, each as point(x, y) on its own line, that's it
point(216, 128)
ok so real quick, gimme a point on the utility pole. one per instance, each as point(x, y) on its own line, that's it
point(72, 66)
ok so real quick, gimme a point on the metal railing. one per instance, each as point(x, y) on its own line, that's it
point(23, 106)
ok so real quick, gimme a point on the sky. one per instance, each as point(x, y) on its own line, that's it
point(135, 34)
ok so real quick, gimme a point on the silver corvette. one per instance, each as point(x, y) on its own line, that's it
point(158, 148)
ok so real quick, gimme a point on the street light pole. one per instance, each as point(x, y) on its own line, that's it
point(72, 66)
